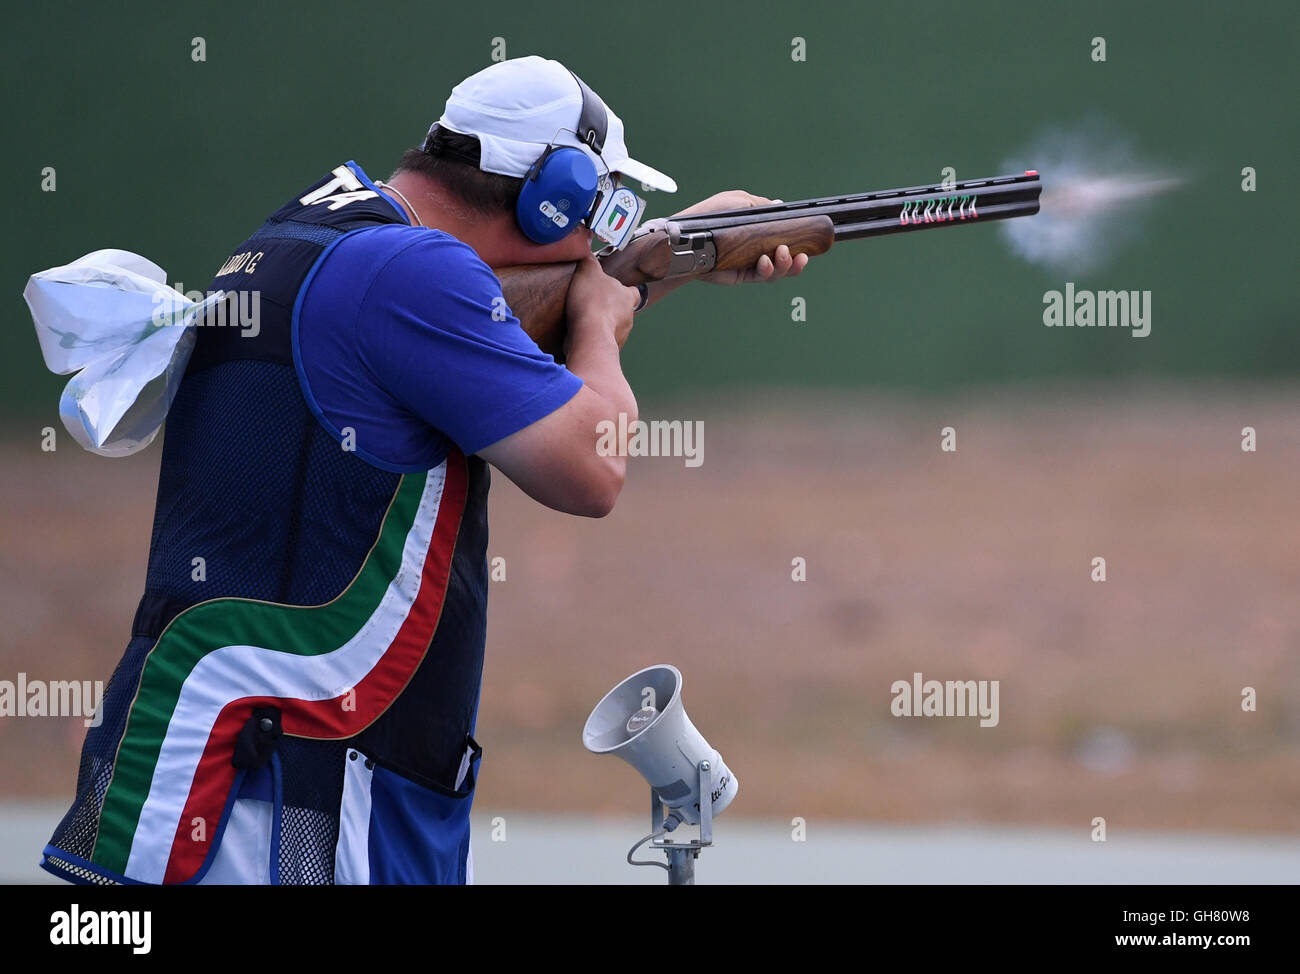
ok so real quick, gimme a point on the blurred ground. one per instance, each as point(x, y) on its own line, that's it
point(533, 847)
point(1118, 699)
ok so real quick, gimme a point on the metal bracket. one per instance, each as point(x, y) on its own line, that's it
point(682, 855)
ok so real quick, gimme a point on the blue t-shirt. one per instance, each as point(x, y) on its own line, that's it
point(404, 338)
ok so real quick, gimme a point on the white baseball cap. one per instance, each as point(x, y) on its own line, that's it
point(517, 108)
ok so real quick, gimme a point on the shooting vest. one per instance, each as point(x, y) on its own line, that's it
point(301, 604)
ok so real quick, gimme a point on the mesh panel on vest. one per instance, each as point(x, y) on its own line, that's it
point(277, 510)
point(75, 834)
point(338, 492)
point(311, 776)
point(81, 873)
point(294, 230)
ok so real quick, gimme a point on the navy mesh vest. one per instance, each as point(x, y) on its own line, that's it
point(269, 533)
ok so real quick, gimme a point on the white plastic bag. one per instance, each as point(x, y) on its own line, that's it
point(111, 318)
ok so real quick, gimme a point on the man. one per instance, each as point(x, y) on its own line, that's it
point(297, 703)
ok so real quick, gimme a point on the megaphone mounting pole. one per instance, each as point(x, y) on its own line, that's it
point(681, 855)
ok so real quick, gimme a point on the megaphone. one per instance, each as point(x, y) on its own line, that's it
point(643, 721)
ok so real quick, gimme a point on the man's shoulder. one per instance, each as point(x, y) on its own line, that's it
point(395, 256)
point(400, 273)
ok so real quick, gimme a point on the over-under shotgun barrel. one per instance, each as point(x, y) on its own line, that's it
point(895, 210)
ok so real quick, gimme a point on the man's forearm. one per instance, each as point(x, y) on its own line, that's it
point(593, 356)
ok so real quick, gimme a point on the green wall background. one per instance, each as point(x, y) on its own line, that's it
point(179, 160)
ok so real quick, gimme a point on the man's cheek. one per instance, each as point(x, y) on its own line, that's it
point(579, 243)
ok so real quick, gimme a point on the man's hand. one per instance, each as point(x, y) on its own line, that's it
point(598, 303)
point(780, 264)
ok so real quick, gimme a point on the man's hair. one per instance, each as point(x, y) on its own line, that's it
point(453, 159)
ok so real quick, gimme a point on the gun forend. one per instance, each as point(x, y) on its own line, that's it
point(663, 249)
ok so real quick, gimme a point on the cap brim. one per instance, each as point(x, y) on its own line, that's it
point(651, 177)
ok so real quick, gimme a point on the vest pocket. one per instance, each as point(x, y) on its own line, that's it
point(247, 848)
point(395, 830)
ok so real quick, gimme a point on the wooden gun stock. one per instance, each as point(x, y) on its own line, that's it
point(538, 293)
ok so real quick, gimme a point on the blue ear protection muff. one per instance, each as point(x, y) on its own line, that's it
point(561, 188)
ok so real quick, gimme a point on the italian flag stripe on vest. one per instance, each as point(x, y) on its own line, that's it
point(332, 669)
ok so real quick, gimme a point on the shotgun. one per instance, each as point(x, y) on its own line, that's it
point(690, 246)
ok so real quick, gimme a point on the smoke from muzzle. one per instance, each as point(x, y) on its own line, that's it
point(1096, 192)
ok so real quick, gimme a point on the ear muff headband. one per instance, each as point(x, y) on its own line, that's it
point(563, 185)
point(593, 123)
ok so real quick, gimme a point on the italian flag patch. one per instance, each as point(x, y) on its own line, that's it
point(332, 669)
